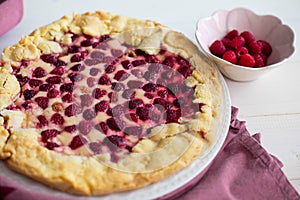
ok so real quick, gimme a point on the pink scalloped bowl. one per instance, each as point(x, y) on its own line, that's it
point(263, 27)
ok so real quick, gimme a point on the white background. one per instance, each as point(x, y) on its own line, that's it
point(270, 105)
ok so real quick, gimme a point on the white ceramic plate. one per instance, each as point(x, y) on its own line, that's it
point(155, 190)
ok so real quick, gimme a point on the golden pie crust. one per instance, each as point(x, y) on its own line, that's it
point(168, 149)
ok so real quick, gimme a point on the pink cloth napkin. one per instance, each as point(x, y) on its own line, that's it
point(11, 13)
point(243, 169)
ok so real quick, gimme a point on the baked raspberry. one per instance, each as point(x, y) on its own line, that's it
point(247, 60)
point(67, 87)
point(28, 94)
point(116, 53)
point(42, 121)
point(77, 67)
point(74, 49)
point(98, 93)
point(121, 75)
point(185, 71)
point(217, 48)
point(57, 119)
point(135, 103)
point(182, 61)
point(97, 55)
point(126, 64)
point(150, 87)
point(134, 84)
point(151, 59)
point(91, 62)
point(132, 117)
point(102, 127)
point(39, 72)
point(137, 63)
point(94, 71)
point(95, 147)
point(164, 103)
point(86, 43)
point(230, 56)
point(67, 98)
point(54, 80)
point(128, 94)
point(75, 77)
point(169, 61)
point(149, 95)
point(51, 145)
point(46, 87)
point(72, 110)
point(180, 102)
point(22, 80)
point(137, 73)
point(52, 93)
point(173, 115)
point(49, 134)
point(173, 88)
point(110, 68)
point(115, 124)
point(91, 81)
point(143, 113)
point(232, 34)
point(113, 141)
point(133, 130)
point(104, 80)
point(89, 114)
point(102, 106)
point(70, 129)
point(77, 142)
point(86, 100)
point(76, 58)
point(48, 58)
point(58, 71)
point(248, 36)
point(42, 102)
point(118, 86)
point(85, 127)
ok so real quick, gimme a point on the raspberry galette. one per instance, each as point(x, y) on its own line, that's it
point(102, 103)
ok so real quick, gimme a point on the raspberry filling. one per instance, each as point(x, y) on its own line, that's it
point(101, 96)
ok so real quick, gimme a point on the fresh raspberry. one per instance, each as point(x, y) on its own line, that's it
point(255, 47)
point(247, 60)
point(230, 56)
point(217, 48)
point(264, 57)
point(259, 61)
point(226, 42)
point(266, 47)
point(232, 34)
point(237, 42)
point(248, 36)
point(241, 51)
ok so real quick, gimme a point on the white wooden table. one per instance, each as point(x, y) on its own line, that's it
point(270, 105)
